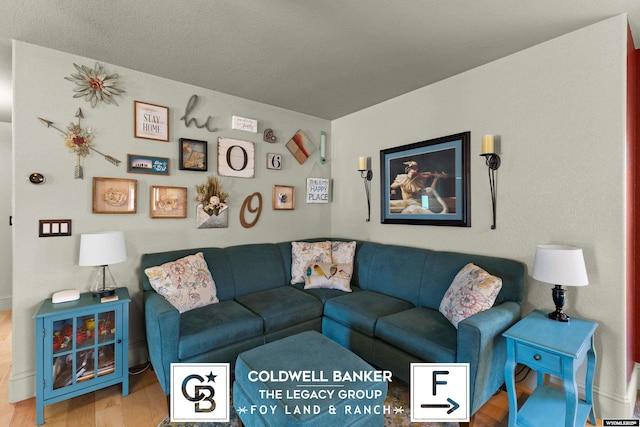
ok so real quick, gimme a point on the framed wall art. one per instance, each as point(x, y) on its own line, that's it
point(193, 155)
point(114, 195)
point(284, 197)
point(236, 158)
point(150, 121)
point(427, 182)
point(168, 202)
point(317, 190)
point(137, 163)
point(300, 146)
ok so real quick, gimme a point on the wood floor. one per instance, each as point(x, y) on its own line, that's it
point(145, 406)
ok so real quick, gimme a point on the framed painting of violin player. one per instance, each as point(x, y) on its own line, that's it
point(427, 182)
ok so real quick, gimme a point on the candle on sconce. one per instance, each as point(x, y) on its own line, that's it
point(487, 144)
point(362, 163)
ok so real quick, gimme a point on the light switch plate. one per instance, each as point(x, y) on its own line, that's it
point(54, 227)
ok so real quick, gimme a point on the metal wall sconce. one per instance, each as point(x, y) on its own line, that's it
point(493, 163)
point(366, 175)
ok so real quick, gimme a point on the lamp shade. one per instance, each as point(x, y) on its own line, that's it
point(102, 248)
point(560, 265)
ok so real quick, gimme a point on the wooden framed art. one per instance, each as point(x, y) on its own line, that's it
point(236, 158)
point(168, 202)
point(114, 195)
point(427, 182)
point(192, 155)
point(137, 163)
point(150, 121)
point(284, 197)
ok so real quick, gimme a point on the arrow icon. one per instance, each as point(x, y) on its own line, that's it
point(453, 405)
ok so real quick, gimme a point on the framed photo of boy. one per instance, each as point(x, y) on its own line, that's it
point(427, 182)
point(150, 121)
point(193, 155)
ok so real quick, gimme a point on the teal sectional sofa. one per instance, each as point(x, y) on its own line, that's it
point(391, 318)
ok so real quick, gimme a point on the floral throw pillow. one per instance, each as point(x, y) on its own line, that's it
point(328, 275)
point(473, 290)
point(343, 252)
point(186, 283)
point(303, 254)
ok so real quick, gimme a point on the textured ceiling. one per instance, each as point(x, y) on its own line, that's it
point(325, 58)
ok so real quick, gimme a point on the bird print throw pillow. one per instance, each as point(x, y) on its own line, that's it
point(328, 275)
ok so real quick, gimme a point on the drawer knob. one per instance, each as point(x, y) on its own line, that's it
point(537, 356)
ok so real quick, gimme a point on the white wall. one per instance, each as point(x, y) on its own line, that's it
point(44, 265)
point(5, 213)
point(559, 110)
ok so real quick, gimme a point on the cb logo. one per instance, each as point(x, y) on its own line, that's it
point(200, 392)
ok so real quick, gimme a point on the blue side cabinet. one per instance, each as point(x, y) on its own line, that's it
point(81, 346)
point(555, 348)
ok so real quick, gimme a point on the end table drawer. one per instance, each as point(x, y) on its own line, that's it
point(538, 359)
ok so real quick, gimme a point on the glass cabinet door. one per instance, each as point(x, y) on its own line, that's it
point(83, 349)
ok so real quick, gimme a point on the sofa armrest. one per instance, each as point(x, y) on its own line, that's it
point(162, 322)
point(482, 346)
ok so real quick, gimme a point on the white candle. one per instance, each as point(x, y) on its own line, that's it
point(323, 148)
point(487, 144)
point(362, 163)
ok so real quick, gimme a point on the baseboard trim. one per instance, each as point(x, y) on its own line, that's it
point(22, 385)
point(5, 303)
point(610, 405)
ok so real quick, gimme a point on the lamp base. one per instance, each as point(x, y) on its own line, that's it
point(559, 316)
point(104, 284)
point(104, 293)
point(558, 299)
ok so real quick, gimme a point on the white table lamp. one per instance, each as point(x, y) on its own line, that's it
point(102, 249)
point(560, 265)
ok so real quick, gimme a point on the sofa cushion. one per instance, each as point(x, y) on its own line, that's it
point(216, 326)
point(323, 294)
point(282, 307)
point(421, 332)
point(473, 290)
point(186, 282)
point(360, 310)
point(256, 267)
point(391, 270)
point(305, 253)
point(329, 275)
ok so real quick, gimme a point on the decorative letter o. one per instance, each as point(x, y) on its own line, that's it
point(245, 158)
point(247, 204)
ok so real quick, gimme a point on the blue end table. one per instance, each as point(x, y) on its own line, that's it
point(81, 346)
point(555, 348)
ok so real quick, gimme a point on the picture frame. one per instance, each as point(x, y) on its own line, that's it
point(427, 182)
point(318, 190)
point(167, 202)
point(150, 121)
point(284, 197)
point(114, 195)
point(138, 163)
point(192, 155)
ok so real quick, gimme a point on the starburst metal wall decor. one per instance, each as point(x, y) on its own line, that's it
point(95, 84)
point(80, 141)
